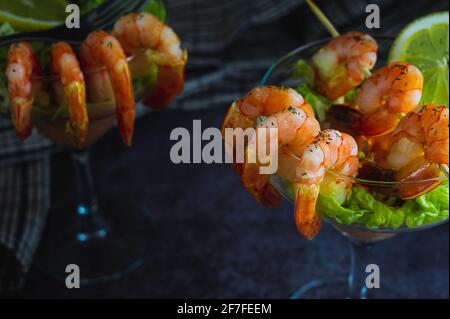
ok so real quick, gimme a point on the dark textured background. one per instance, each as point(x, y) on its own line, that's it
point(206, 237)
point(203, 234)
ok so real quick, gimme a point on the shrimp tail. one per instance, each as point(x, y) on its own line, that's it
point(421, 170)
point(308, 222)
point(21, 115)
point(259, 186)
point(271, 197)
point(78, 125)
point(125, 109)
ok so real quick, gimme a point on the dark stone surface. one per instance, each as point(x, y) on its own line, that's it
point(206, 238)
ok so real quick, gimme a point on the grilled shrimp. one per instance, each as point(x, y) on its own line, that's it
point(65, 68)
point(418, 145)
point(330, 150)
point(143, 31)
point(22, 66)
point(343, 62)
point(295, 129)
point(262, 101)
point(386, 96)
point(101, 49)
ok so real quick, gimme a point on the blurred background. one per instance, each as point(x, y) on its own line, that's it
point(201, 234)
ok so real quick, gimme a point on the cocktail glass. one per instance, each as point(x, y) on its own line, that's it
point(361, 238)
point(103, 248)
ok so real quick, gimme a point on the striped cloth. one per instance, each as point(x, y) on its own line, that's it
point(24, 201)
point(230, 43)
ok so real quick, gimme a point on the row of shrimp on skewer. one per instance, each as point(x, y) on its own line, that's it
point(405, 137)
point(104, 58)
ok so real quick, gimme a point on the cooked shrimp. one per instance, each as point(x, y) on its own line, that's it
point(101, 49)
point(268, 100)
point(262, 101)
point(295, 129)
point(330, 150)
point(386, 96)
point(143, 31)
point(343, 62)
point(22, 66)
point(65, 68)
point(418, 145)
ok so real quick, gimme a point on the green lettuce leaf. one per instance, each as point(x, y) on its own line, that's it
point(156, 7)
point(330, 207)
point(88, 5)
point(304, 72)
point(428, 208)
point(375, 211)
point(350, 95)
point(319, 103)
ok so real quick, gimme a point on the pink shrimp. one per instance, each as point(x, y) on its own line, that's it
point(418, 146)
point(343, 62)
point(295, 129)
point(22, 66)
point(65, 67)
point(101, 49)
point(143, 31)
point(262, 101)
point(387, 96)
point(330, 150)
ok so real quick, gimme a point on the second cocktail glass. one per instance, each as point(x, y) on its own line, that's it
point(282, 73)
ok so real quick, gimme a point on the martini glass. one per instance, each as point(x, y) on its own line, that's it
point(104, 246)
point(361, 239)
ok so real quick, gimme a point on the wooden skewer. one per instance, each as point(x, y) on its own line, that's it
point(323, 19)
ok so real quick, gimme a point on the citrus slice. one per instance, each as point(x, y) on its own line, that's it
point(424, 43)
point(31, 15)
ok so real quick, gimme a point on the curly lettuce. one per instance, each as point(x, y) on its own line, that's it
point(304, 72)
point(363, 208)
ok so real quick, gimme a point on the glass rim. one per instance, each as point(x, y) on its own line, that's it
point(308, 45)
point(386, 230)
point(357, 227)
point(90, 71)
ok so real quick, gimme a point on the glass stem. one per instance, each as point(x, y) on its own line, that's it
point(360, 256)
point(90, 222)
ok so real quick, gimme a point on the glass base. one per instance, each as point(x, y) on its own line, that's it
point(103, 250)
point(336, 287)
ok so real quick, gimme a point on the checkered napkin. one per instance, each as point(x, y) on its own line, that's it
point(230, 43)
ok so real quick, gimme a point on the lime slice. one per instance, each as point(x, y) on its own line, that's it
point(31, 15)
point(424, 43)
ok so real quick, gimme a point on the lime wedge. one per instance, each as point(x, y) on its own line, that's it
point(424, 43)
point(31, 15)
